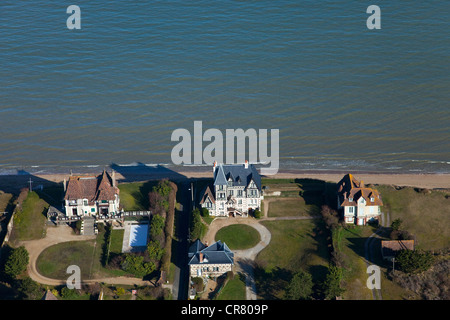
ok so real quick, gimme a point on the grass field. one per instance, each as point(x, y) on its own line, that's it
point(29, 223)
point(134, 195)
point(233, 290)
point(288, 207)
point(53, 261)
point(424, 214)
point(238, 236)
point(295, 245)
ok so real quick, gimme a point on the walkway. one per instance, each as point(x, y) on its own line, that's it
point(57, 235)
point(369, 249)
point(244, 259)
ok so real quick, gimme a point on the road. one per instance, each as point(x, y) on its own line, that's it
point(181, 279)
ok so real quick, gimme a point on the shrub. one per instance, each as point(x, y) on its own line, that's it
point(17, 262)
point(67, 293)
point(257, 213)
point(332, 285)
point(30, 289)
point(197, 228)
point(417, 261)
point(300, 287)
point(135, 265)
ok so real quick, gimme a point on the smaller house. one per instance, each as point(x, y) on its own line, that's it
point(390, 248)
point(358, 203)
point(209, 261)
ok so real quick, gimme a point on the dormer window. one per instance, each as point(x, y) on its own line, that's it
point(350, 199)
point(372, 199)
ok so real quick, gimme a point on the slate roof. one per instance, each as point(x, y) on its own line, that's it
point(240, 175)
point(217, 253)
point(207, 194)
point(91, 188)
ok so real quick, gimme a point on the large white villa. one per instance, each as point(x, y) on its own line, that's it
point(91, 195)
point(236, 190)
point(358, 203)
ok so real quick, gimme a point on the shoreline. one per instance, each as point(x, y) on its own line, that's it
point(418, 180)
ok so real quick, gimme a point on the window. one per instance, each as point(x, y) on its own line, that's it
point(239, 193)
point(350, 209)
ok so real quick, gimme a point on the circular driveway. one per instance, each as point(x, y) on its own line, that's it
point(243, 259)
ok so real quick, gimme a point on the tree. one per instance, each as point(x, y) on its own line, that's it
point(414, 261)
point(300, 287)
point(29, 289)
point(197, 228)
point(330, 217)
point(156, 226)
point(69, 294)
point(332, 284)
point(396, 224)
point(135, 265)
point(17, 262)
point(257, 213)
point(155, 251)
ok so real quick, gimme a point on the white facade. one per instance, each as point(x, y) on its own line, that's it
point(81, 207)
point(236, 191)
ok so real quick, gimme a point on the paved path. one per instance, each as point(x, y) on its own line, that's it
point(57, 235)
point(244, 259)
point(369, 250)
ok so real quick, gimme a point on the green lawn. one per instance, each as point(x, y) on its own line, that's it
point(29, 223)
point(233, 290)
point(238, 236)
point(134, 195)
point(350, 241)
point(288, 207)
point(294, 244)
point(116, 241)
point(424, 214)
point(53, 261)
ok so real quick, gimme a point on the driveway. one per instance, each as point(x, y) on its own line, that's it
point(55, 235)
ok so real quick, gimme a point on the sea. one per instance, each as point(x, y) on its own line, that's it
point(343, 97)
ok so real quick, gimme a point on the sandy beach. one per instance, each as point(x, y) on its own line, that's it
point(427, 181)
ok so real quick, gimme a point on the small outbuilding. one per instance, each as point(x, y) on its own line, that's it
point(390, 248)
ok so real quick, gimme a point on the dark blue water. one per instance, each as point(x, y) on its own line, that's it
point(343, 97)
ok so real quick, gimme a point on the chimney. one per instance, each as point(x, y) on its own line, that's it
point(113, 177)
point(214, 166)
point(345, 195)
point(201, 257)
point(246, 164)
point(361, 184)
point(64, 185)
